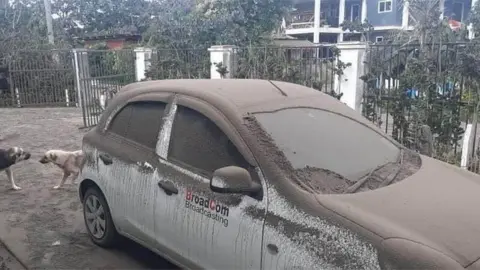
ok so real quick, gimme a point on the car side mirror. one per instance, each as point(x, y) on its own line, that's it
point(234, 180)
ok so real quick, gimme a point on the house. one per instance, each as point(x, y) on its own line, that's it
point(320, 20)
point(111, 41)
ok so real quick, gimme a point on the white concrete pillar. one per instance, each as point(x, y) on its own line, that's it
point(471, 32)
point(142, 62)
point(82, 72)
point(364, 10)
point(316, 21)
point(441, 5)
point(405, 14)
point(341, 18)
point(350, 83)
point(226, 55)
point(467, 147)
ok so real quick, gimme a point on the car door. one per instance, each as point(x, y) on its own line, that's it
point(211, 230)
point(128, 149)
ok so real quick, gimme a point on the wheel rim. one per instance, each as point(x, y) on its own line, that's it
point(95, 217)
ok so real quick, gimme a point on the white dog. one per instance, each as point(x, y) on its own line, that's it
point(69, 162)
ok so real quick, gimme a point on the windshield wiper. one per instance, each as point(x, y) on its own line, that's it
point(353, 188)
point(387, 181)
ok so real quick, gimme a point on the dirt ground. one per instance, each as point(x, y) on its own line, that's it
point(44, 227)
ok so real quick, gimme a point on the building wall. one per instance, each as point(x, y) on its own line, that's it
point(387, 18)
point(115, 44)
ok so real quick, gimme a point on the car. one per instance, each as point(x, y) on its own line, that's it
point(259, 174)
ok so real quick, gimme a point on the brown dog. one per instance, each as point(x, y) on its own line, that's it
point(69, 162)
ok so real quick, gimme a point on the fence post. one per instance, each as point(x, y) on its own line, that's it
point(143, 58)
point(222, 61)
point(82, 71)
point(350, 83)
point(467, 147)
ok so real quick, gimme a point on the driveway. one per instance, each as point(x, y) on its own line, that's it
point(44, 227)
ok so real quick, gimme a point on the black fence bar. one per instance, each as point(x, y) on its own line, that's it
point(101, 75)
point(411, 88)
point(312, 66)
point(38, 78)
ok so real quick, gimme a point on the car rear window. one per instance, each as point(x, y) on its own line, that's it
point(140, 122)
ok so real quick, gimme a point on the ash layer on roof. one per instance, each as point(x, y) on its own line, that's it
point(246, 95)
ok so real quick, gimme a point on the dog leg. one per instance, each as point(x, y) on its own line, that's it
point(74, 177)
point(65, 176)
point(9, 173)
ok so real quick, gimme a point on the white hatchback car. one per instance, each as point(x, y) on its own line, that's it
point(254, 174)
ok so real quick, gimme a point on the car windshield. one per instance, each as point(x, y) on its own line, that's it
point(313, 138)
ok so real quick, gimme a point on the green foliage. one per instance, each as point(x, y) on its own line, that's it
point(179, 64)
point(362, 28)
point(295, 65)
point(437, 62)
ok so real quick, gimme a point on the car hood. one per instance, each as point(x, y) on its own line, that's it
point(436, 206)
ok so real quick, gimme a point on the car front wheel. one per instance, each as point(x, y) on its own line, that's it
point(98, 220)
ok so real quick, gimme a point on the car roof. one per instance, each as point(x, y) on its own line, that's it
point(242, 97)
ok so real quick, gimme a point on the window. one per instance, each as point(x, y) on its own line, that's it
point(355, 13)
point(324, 140)
point(199, 143)
point(139, 122)
point(457, 11)
point(384, 6)
point(120, 122)
point(379, 39)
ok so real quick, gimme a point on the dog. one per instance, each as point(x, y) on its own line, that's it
point(11, 156)
point(69, 162)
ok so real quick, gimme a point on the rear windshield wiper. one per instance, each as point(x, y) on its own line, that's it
point(353, 188)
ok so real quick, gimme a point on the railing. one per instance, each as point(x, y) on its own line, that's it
point(179, 64)
point(412, 88)
point(300, 20)
point(310, 66)
point(39, 78)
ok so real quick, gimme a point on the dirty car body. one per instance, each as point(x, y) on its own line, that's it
point(255, 174)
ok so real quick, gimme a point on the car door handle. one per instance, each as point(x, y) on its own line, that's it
point(273, 249)
point(107, 160)
point(168, 187)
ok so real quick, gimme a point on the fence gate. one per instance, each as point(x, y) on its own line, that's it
point(99, 75)
point(38, 78)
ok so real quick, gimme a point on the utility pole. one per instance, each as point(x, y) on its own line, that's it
point(48, 15)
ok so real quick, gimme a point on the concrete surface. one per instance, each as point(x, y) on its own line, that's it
point(8, 261)
point(43, 227)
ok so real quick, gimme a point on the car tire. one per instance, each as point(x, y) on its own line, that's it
point(94, 223)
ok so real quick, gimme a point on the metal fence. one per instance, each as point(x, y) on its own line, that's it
point(100, 74)
point(413, 90)
point(38, 78)
point(311, 66)
point(89, 78)
point(179, 64)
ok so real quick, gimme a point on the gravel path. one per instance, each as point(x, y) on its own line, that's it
point(43, 227)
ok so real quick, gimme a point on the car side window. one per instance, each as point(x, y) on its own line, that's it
point(120, 121)
point(140, 122)
point(199, 143)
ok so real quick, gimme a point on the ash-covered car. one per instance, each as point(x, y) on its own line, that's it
point(256, 174)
